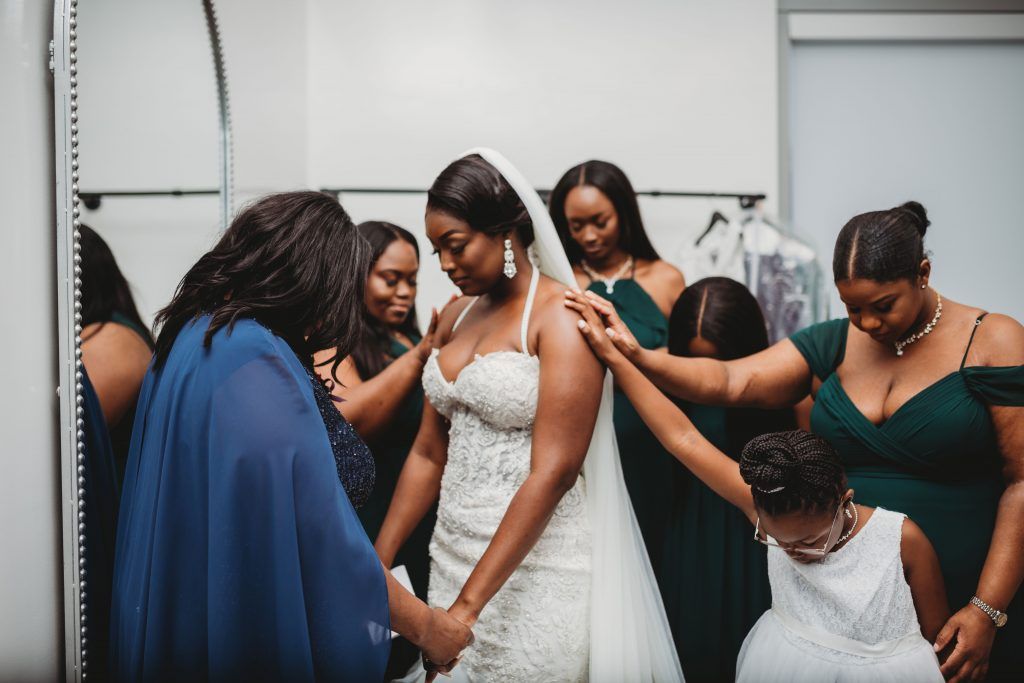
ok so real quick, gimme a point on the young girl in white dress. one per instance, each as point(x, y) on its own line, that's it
point(857, 593)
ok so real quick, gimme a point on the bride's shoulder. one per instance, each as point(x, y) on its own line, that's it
point(449, 315)
point(550, 302)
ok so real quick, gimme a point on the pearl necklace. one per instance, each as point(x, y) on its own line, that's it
point(609, 282)
point(900, 345)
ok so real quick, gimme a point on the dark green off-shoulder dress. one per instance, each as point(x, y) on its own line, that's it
point(646, 466)
point(935, 459)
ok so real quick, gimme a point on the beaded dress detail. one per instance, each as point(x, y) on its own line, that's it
point(352, 456)
point(536, 628)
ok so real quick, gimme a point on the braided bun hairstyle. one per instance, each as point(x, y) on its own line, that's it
point(792, 471)
point(883, 246)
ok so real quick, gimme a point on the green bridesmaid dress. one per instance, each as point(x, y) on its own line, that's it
point(390, 449)
point(714, 575)
point(935, 459)
point(646, 466)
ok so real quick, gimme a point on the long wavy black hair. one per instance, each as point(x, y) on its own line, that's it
point(614, 184)
point(293, 262)
point(105, 291)
point(725, 313)
point(370, 354)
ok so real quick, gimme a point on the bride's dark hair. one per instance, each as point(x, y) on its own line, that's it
point(293, 262)
point(472, 190)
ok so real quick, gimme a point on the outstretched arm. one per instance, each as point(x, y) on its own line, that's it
point(668, 423)
point(777, 377)
point(568, 399)
point(371, 405)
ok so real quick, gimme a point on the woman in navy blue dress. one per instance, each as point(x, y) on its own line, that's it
point(239, 552)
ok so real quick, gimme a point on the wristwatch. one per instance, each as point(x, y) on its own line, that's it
point(998, 618)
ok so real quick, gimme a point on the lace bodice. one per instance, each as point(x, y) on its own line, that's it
point(501, 387)
point(858, 592)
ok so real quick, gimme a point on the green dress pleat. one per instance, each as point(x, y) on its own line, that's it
point(646, 466)
point(390, 449)
point(935, 459)
point(714, 575)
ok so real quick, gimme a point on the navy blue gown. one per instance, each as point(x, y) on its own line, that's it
point(100, 504)
point(239, 554)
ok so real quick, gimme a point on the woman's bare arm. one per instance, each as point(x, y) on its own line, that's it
point(777, 377)
point(924, 576)
point(669, 424)
point(999, 343)
point(370, 405)
point(418, 485)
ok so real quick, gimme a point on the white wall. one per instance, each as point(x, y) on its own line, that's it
point(149, 120)
point(682, 95)
point(31, 570)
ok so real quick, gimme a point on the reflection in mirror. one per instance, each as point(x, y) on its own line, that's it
point(150, 171)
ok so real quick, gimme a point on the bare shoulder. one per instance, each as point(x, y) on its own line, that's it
point(914, 543)
point(119, 340)
point(552, 320)
point(663, 281)
point(1000, 341)
point(549, 304)
point(449, 314)
point(666, 272)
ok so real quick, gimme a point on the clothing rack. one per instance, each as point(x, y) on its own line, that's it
point(747, 199)
point(92, 200)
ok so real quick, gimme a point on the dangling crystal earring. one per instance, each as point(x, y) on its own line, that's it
point(510, 260)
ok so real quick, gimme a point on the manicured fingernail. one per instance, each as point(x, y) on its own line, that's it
point(581, 324)
point(610, 332)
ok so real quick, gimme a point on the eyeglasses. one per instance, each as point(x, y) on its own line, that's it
point(833, 533)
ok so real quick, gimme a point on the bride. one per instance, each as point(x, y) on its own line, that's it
point(535, 546)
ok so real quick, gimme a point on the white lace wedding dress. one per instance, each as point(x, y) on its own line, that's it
point(536, 628)
point(583, 604)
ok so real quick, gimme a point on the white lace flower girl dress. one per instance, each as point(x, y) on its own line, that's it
point(849, 618)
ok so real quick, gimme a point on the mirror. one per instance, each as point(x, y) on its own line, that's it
point(148, 191)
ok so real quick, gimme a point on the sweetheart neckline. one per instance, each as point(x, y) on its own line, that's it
point(476, 357)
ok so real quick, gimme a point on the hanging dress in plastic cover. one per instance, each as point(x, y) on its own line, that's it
point(784, 274)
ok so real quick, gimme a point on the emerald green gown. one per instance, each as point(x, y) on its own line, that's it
point(646, 466)
point(390, 449)
point(714, 575)
point(935, 459)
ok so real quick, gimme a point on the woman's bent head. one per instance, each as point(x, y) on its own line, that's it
point(292, 261)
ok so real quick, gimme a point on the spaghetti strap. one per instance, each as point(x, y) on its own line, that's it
point(465, 310)
point(970, 341)
point(528, 308)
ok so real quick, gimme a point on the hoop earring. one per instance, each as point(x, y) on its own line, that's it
point(510, 260)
